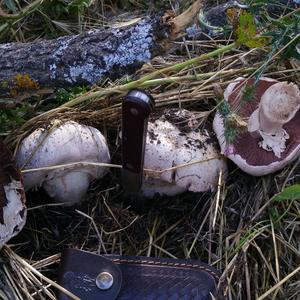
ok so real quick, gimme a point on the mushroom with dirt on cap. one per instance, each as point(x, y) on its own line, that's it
point(12, 197)
point(73, 146)
point(183, 157)
point(272, 115)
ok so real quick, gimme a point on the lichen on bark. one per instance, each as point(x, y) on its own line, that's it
point(85, 58)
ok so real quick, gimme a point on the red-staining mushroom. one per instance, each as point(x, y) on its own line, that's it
point(12, 198)
point(272, 138)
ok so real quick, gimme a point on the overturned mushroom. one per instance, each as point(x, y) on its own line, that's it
point(63, 144)
point(189, 155)
point(272, 137)
point(12, 198)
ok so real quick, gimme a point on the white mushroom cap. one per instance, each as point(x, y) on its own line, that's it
point(250, 151)
point(12, 198)
point(67, 143)
point(174, 140)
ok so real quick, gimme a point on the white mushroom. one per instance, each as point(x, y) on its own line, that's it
point(12, 198)
point(63, 144)
point(175, 141)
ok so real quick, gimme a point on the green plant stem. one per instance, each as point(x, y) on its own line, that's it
point(180, 79)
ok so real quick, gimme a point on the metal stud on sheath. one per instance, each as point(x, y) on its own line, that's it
point(104, 281)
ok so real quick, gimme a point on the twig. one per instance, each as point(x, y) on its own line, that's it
point(71, 166)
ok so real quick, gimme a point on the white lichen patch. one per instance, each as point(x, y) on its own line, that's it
point(53, 68)
point(137, 48)
point(14, 215)
point(87, 72)
point(7, 46)
point(63, 45)
point(134, 48)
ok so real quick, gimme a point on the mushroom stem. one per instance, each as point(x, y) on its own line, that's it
point(278, 106)
point(267, 125)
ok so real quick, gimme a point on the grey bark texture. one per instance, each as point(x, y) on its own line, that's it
point(82, 59)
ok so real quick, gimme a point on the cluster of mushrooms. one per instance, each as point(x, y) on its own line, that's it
point(180, 154)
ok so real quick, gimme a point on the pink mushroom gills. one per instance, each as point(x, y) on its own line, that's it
point(175, 141)
point(272, 138)
point(67, 143)
point(12, 198)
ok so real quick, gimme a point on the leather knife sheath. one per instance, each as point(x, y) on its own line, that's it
point(136, 278)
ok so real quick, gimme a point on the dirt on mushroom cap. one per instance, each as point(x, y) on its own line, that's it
point(176, 141)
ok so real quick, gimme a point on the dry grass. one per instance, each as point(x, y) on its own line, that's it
point(240, 229)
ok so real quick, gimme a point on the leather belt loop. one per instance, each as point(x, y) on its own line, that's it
point(97, 278)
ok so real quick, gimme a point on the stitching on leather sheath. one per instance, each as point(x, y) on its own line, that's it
point(152, 262)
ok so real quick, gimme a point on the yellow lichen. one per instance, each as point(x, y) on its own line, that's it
point(22, 82)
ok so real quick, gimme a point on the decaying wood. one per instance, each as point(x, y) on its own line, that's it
point(89, 57)
point(80, 59)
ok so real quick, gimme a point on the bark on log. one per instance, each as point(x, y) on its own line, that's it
point(82, 59)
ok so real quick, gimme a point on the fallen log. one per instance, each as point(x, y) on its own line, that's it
point(81, 59)
point(89, 57)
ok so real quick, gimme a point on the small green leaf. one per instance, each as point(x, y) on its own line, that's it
point(290, 193)
point(247, 32)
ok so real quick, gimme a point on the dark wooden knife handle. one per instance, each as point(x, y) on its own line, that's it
point(136, 108)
